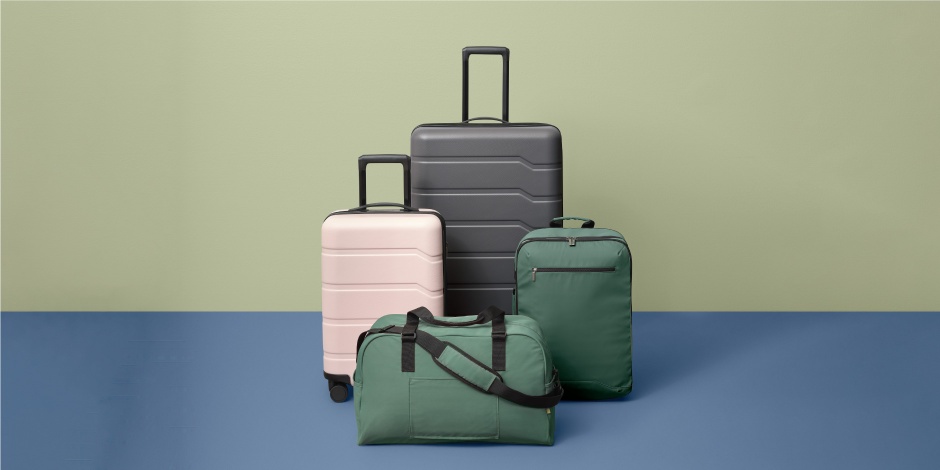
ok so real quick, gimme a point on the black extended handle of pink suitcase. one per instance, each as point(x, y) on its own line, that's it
point(484, 50)
point(405, 162)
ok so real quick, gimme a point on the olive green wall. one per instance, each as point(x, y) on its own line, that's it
point(757, 156)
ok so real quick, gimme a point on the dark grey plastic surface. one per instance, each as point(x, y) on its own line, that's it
point(492, 183)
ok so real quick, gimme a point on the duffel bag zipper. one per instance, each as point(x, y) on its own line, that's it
point(570, 270)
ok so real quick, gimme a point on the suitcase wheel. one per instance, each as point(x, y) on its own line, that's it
point(338, 391)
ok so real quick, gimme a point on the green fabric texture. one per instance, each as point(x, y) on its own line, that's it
point(582, 302)
point(431, 406)
point(466, 369)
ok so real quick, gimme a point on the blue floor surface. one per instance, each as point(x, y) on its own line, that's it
point(245, 391)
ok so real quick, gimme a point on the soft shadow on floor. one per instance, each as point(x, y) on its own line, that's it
point(670, 346)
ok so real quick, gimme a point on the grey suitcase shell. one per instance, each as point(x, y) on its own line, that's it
point(493, 183)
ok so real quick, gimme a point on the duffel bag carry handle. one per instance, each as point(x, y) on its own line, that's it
point(405, 162)
point(557, 222)
point(485, 50)
point(491, 315)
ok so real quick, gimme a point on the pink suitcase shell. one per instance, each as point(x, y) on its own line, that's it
point(376, 259)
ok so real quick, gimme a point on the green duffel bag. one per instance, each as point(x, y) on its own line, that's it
point(576, 282)
point(423, 379)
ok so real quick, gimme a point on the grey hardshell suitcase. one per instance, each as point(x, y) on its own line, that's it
point(493, 183)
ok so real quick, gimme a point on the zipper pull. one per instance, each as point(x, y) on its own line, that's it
point(533, 273)
point(572, 241)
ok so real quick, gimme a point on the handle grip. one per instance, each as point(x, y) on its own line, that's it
point(490, 314)
point(365, 207)
point(557, 222)
point(486, 119)
point(484, 50)
point(405, 162)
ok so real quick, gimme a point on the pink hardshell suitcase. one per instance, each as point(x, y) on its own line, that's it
point(376, 259)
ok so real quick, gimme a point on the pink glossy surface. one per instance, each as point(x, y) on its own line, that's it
point(373, 265)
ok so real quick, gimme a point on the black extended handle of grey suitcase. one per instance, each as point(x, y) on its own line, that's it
point(485, 50)
point(405, 162)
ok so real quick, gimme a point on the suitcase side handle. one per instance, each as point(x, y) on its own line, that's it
point(484, 50)
point(405, 162)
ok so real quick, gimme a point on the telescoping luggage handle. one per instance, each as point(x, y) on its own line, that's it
point(465, 367)
point(557, 222)
point(405, 162)
point(485, 50)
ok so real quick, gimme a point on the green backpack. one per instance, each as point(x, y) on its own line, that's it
point(576, 283)
point(424, 379)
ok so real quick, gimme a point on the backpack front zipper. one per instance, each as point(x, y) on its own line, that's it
point(571, 270)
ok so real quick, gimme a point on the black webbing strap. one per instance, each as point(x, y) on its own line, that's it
point(499, 341)
point(408, 334)
point(362, 337)
point(436, 348)
point(490, 314)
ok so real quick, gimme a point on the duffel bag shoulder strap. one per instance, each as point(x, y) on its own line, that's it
point(475, 374)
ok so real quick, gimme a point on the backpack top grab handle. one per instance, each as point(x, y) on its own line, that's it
point(557, 222)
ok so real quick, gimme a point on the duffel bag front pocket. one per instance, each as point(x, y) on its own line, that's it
point(448, 409)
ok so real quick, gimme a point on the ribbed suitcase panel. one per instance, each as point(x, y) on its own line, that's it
point(495, 207)
point(374, 264)
point(492, 184)
point(462, 298)
point(490, 173)
point(475, 237)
